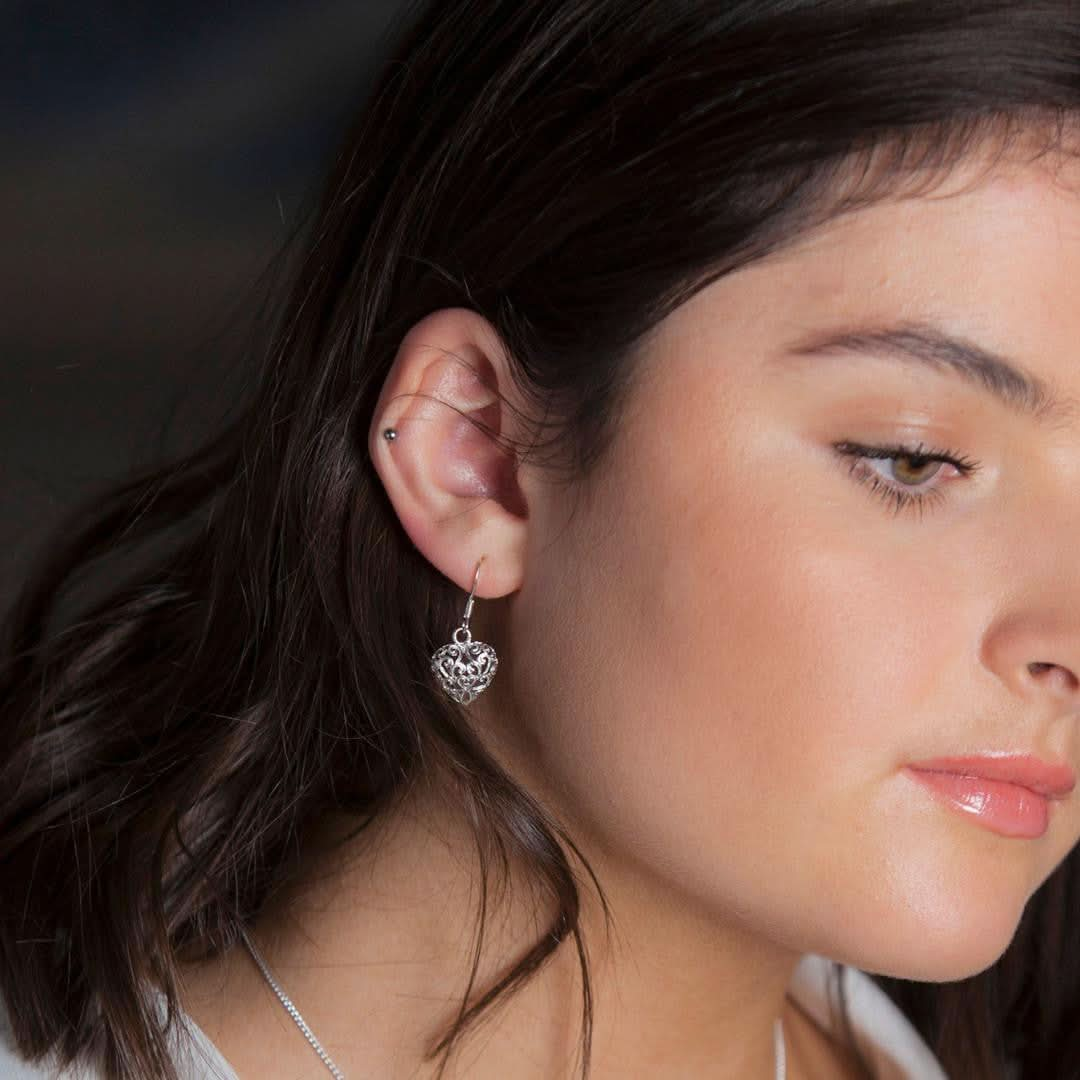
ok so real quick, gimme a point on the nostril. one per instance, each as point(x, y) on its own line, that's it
point(1061, 675)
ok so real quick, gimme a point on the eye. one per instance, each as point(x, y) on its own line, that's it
point(906, 487)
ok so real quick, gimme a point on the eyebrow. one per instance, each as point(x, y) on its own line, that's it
point(925, 345)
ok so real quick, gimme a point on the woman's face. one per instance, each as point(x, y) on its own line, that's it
point(721, 663)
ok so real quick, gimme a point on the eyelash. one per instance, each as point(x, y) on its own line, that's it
point(916, 455)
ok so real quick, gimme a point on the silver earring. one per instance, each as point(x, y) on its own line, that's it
point(465, 667)
point(389, 434)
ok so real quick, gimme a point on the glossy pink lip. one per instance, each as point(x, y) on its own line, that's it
point(1051, 780)
point(1007, 809)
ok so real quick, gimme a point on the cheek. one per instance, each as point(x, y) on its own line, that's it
point(728, 706)
point(718, 703)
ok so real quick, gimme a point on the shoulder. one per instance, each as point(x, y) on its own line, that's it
point(15, 1067)
point(195, 1057)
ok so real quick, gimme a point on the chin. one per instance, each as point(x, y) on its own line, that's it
point(934, 934)
point(938, 956)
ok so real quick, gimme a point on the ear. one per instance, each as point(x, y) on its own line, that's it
point(453, 485)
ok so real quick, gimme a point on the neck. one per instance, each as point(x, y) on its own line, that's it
point(391, 913)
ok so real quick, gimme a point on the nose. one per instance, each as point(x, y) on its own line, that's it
point(1035, 652)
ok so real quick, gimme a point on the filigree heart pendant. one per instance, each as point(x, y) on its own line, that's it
point(464, 668)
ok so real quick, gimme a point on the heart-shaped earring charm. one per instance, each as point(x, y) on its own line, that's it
point(465, 667)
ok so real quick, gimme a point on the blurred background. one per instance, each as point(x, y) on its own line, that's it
point(156, 157)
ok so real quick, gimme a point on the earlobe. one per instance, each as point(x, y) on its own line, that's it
point(449, 468)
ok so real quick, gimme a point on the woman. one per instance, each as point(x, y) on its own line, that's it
point(666, 449)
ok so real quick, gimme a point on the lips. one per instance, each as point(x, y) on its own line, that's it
point(1053, 780)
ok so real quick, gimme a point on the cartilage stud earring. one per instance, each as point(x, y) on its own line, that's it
point(465, 667)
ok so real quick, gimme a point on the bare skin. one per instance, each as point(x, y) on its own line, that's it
point(409, 963)
point(725, 738)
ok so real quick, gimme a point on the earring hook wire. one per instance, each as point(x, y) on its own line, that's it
point(472, 594)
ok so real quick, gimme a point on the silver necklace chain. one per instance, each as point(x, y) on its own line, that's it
point(294, 1012)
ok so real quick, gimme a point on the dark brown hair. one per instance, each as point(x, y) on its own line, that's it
point(573, 170)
